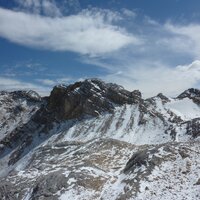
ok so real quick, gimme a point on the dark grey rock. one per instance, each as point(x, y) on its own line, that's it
point(47, 186)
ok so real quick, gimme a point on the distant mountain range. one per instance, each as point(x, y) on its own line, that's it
point(96, 140)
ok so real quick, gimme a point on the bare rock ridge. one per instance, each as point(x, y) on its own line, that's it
point(191, 93)
point(91, 97)
point(96, 140)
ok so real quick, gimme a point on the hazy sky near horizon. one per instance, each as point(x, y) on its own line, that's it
point(153, 46)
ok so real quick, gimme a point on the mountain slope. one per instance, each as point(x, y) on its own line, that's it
point(96, 140)
point(97, 170)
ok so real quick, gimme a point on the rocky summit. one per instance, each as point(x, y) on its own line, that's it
point(95, 140)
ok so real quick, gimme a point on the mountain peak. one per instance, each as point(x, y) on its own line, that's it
point(90, 97)
point(190, 93)
point(163, 97)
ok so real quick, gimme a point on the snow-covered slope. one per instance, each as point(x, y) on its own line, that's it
point(185, 108)
point(143, 123)
point(16, 108)
point(97, 170)
point(126, 124)
point(94, 140)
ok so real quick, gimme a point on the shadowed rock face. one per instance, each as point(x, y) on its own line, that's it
point(91, 97)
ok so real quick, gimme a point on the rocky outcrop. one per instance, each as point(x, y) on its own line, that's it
point(191, 93)
point(149, 170)
point(47, 186)
point(90, 97)
point(193, 127)
point(141, 158)
point(163, 98)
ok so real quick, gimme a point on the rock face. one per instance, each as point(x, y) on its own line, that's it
point(16, 107)
point(142, 158)
point(91, 97)
point(193, 127)
point(191, 93)
point(96, 140)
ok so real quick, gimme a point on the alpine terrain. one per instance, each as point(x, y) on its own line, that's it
point(95, 140)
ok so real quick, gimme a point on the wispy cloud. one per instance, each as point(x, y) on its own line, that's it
point(23, 68)
point(50, 82)
point(47, 82)
point(46, 7)
point(129, 13)
point(51, 8)
point(186, 38)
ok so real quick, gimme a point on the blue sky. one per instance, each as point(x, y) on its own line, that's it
point(153, 45)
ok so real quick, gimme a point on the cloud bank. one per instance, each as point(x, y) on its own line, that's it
point(88, 33)
point(153, 80)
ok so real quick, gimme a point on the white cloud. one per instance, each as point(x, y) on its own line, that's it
point(86, 33)
point(14, 84)
point(160, 78)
